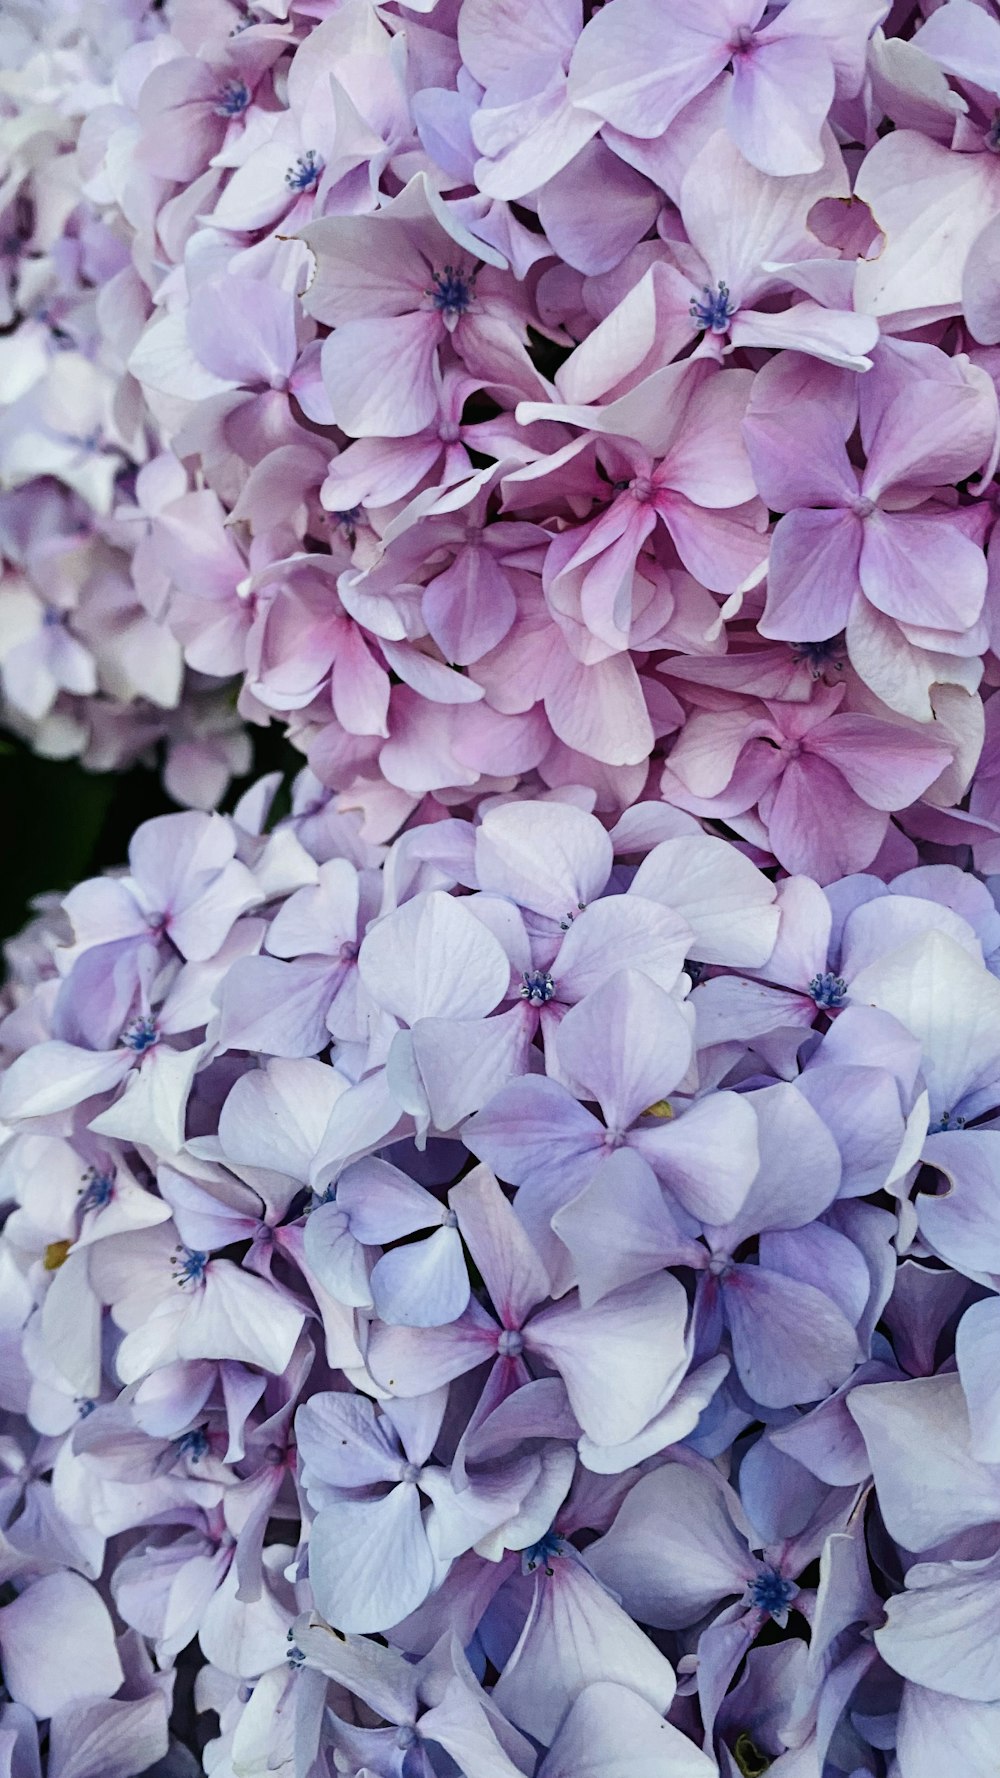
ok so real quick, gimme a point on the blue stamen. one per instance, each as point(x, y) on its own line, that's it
point(537, 987)
point(947, 1121)
point(193, 1444)
point(189, 1267)
point(818, 656)
point(98, 1191)
point(714, 310)
point(305, 174)
point(234, 97)
point(543, 1553)
point(451, 292)
point(84, 1406)
point(828, 990)
point(992, 136)
point(140, 1035)
point(771, 1592)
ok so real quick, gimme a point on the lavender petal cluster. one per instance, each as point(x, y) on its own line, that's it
point(518, 1301)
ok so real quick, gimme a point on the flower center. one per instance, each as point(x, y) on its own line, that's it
point(537, 987)
point(188, 1267)
point(510, 1343)
point(193, 1444)
point(772, 1593)
point(98, 1191)
point(828, 990)
point(451, 292)
point(818, 656)
point(233, 99)
point(543, 1553)
point(992, 136)
point(947, 1121)
point(714, 309)
point(140, 1035)
point(305, 174)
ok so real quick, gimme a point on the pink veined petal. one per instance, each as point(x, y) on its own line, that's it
point(528, 142)
point(818, 826)
point(257, 195)
point(673, 1551)
point(782, 90)
point(981, 285)
point(276, 1007)
point(510, 1268)
point(58, 1645)
point(108, 1740)
point(496, 37)
point(376, 471)
point(834, 336)
point(359, 686)
point(791, 1344)
point(930, 204)
point(922, 570)
point(637, 69)
point(620, 1359)
point(343, 1442)
point(470, 607)
point(964, 42)
point(724, 551)
point(931, 433)
point(424, 1284)
point(740, 219)
point(589, 237)
point(886, 765)
point(364, 268)
point(612, 1732)
point(262, 349)
point(379, 374)
point(707, 461)
point(53, 1076)
point(626, 1045)
point(430, 958)
point(812, 575)
point(575, 1634)
point(944, 1630)
point(551, 858)
point(239, 1316)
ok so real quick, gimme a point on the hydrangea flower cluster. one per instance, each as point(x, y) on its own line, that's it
point(87, 667)
point(521, 1301)
point(496, 1263)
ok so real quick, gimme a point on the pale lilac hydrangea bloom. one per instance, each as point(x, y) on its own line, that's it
point(477, 1296)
